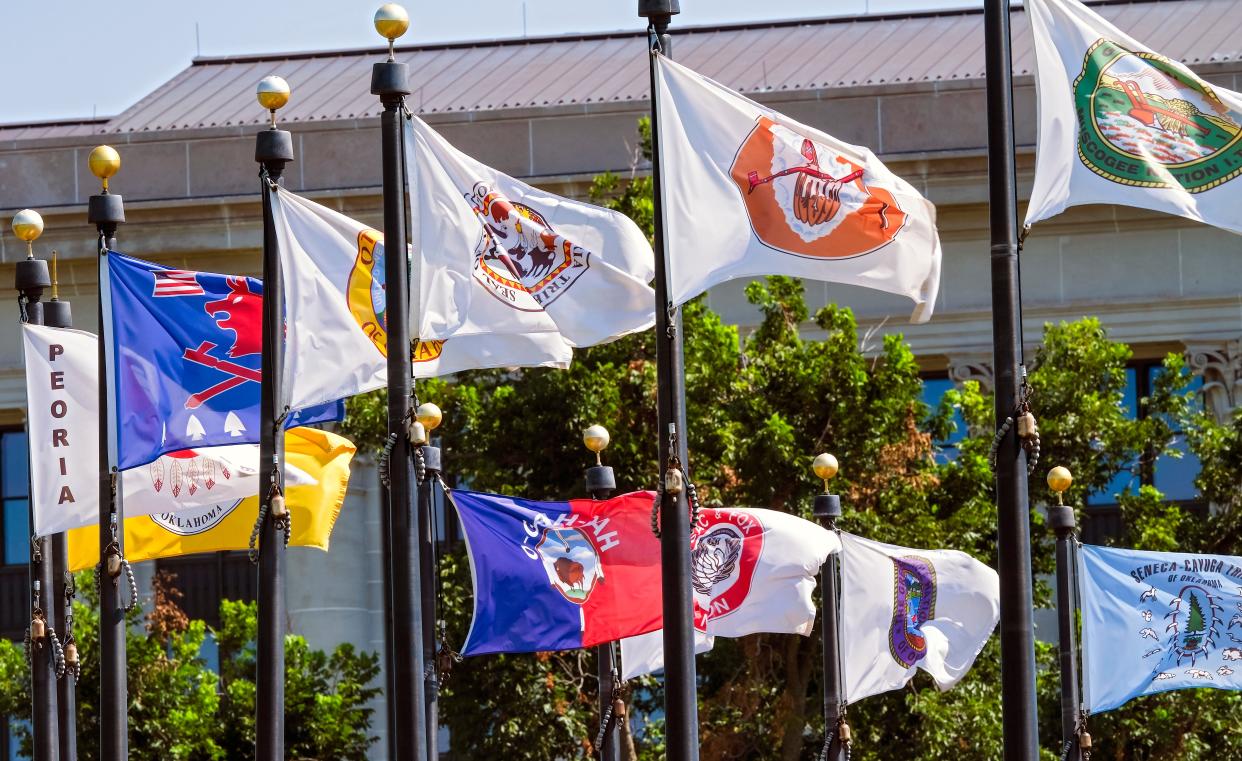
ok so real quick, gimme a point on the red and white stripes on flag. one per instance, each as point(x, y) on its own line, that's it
point(176, 283)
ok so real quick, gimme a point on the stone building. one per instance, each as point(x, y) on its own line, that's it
point(559, 110)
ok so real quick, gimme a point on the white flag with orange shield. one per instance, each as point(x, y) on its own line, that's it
point(1121, 124)
point(748, 191)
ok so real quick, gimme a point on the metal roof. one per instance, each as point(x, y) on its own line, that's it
point(586, 69)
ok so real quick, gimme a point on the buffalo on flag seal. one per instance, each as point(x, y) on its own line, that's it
point(559, 575)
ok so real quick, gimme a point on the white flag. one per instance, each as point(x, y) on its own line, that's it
point(748, 191)
point(494, 255)
point(903, 609)
point(1121, 124)
point(333, 274)
point(753, 570)
point(336, 313)
point(63, 394)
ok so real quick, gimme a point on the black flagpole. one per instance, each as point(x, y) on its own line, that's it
point(389, 80)
point(58, 314)
point(601, 482)
point(680, 686)
point(428, 470)
point(1018, 712)
point(827, 509)
point(1061, 521)
point(31, 278)
point(273, 150)
point(106, 211)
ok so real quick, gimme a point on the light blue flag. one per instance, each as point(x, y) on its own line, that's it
point(1158, 621)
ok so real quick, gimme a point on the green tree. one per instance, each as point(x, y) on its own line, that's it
point(181, 710)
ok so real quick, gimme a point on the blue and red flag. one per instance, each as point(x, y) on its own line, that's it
point(186, 357)
point(559, 575)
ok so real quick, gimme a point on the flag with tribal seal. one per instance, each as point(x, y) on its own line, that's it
point(1121, 124)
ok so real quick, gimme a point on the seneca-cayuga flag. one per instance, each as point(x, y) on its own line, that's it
point(336, 306)
point(1121, 124)
point(559, 575)
point(313, 508)
point(904, 609)
point(748, 191)
point(1157, 621)
point(185, 356)
point(753, 571)
point(493, 254)
point(62, 389)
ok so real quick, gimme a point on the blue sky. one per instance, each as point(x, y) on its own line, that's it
point(75, 58)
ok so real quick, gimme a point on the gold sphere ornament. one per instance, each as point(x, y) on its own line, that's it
point(272, 93)
point(104, 162)
point(596, 439)
point(391, 21)
point(429, 415)
point(28, 225)
point(825, 467)
point(1059, 479)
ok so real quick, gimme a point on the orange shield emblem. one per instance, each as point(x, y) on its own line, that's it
point(805, 198)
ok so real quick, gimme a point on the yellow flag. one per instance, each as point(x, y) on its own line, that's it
point(312, 509)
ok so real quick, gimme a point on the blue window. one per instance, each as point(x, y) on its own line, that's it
point(14, 496)
point(934, 389)
point(1175, 476)
point(1129, 477)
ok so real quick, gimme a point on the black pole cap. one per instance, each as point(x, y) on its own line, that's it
point(431, 458)
point(106, 208)
point(390, 79)
point(1061, 519)
point(272, 145)
point(57, 314)
point(827, 506)
point(31, 277)
point(600, 479)
point(657, 8)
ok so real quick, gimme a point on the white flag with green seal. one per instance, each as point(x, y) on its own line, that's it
point(1121, 124)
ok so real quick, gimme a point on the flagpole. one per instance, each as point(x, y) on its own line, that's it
point(273, 150)
point(1061, 521)
point(31, 279)
point(408, 731)
point(428, 458)
point(827, 509)
point(57, 313)
point(106, 211)
point(1018, 712)
point(680, 685)
point(601, 482)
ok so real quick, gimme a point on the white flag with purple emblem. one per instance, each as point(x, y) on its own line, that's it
point(904, 609)
point(753, 570)
point(495, 255)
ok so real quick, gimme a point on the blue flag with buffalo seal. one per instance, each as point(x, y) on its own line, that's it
point(186, 356)
point(1158, 621)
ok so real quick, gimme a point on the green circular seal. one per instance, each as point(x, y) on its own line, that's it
point(1147, 122)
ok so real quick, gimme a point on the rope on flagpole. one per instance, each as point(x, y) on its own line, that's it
point(446, 657)
point(843, 730)
point(613, 712)
point(676, 478)
point(1028, 430)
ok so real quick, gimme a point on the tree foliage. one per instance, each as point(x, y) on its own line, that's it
point(182, 710)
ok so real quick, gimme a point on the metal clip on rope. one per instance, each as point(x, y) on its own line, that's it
point(1028, 430)
point(675, 480)
point(613, 712)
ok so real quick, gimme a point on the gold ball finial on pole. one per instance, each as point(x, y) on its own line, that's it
point(27, 226)
point(596, 439)
point(104, 162)
point(825, 467)
point(391, 21)
point(429, 415)
point(1059, 479)
point(272, 93)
